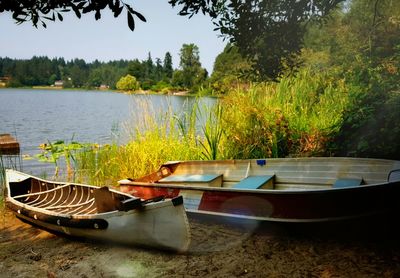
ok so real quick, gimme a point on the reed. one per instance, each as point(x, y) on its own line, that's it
point(2, 183)
point(295, 117)
point(154, 139)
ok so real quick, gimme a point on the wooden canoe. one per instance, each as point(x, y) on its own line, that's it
point(98, 212)
point(287, 189)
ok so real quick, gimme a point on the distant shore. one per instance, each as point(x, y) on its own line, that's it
point(138, 92)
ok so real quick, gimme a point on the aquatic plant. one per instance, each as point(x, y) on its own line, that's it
point(52, 152)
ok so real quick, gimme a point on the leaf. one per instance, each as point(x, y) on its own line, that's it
point(60, 17)
point(140, 16)
point(87, 9)
point(80, 5)
point(131, 22)
point(129, 8)
point(97, 15)
point(49, 18)
point(58, 142)
point(117, 11)
point(77, 12)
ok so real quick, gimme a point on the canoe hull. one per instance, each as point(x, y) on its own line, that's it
point(161, 224)
point(139, 229)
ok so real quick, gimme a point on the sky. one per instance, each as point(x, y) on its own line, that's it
point(111, 39)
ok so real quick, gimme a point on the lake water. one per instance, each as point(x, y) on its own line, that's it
point(36, 116)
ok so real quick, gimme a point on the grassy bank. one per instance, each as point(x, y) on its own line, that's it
point(296, 117)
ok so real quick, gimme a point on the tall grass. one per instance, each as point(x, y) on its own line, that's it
point(295, 117)
point(155, 139)
point(2, 182)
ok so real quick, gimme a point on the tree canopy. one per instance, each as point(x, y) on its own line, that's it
point(38, 12)
point(269, 33)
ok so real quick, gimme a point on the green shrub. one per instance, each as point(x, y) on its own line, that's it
point(128, 83)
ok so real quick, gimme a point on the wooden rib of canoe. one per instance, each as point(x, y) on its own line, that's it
point(98, 212)
point(287, 189)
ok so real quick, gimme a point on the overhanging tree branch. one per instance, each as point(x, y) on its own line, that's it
point(269, 33)
point(38, 12)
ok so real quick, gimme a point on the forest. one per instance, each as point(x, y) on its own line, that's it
point(155, 75)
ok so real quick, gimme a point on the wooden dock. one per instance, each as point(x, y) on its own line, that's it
point(8, 145)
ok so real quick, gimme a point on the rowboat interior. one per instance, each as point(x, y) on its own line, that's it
point(68, 198)
point(275, 174)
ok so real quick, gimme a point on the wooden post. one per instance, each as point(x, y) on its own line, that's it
point(8, 144)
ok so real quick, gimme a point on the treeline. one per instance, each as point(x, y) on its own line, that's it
point(77, 73)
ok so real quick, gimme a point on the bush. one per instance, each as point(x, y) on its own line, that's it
point(128, 83)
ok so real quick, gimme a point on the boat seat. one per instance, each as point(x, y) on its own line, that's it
point(105, 200)
point(347, 182)
point(394, 175)
point(214, 180)
point(255, 182)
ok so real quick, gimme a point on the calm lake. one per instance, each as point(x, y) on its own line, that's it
point(36, 116)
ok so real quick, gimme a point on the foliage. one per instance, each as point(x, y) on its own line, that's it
point(2, 177)
point(155, 139)
point(192, 74)
point(128, 83)
point(39, 11)
point(362, 46)
point(296, 117)
point(167, 66)
point(52, 152)
point(230, 70)
point(268, 33)
point(213, 132)
point(42, 71)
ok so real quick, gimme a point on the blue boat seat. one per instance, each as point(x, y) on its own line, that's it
point(203, 179)
point(343, 183)
point(254, 182)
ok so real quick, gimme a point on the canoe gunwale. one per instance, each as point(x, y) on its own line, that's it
point(60, 220)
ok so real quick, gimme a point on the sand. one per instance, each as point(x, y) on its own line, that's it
point(217, 250)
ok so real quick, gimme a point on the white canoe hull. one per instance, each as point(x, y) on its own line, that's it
point(161, 224)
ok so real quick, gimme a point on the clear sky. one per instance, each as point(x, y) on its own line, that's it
point(110, 38)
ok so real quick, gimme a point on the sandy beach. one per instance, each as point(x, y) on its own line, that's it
point(216, 250)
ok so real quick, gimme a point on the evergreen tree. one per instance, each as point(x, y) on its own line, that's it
point(192, 73)
point(168, 70)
